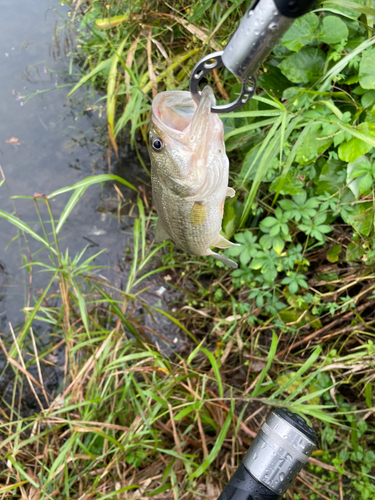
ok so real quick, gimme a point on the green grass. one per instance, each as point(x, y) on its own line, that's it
point(293, 326)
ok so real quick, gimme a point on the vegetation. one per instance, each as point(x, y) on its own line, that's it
point(293, 326)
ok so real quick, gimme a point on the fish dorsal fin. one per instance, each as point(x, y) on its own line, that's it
point(160, 233)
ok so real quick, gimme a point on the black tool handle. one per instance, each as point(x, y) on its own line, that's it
point(243, 486)
point(295, 8)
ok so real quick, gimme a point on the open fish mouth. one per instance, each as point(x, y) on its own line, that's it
point(176, 115)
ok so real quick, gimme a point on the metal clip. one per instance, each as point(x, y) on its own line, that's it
point(207, 64)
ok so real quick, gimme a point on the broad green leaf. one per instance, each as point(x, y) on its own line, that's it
point(338, 68)
point(361, 218)
point(334, 252)
point(354, 148)
point(333, 30)
point(304, 66)
point(368, 98)
point(273, 81)
point(354, 252)
point(232, 215)
point(268, 222)
point(331, 178)
point(301, 32)
point(286, 184)
point(278, 244)
point(348, 8)
point(367, 69)
point(313, 144)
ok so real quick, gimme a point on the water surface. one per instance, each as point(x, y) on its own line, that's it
point(48, 142)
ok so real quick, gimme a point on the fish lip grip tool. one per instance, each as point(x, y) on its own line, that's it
point(280, 450)
point(258, 32)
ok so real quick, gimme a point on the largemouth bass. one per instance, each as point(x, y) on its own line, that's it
point(189, 172)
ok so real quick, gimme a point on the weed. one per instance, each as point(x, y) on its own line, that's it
point(293, 326)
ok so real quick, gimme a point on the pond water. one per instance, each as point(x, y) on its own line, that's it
point(48, 142)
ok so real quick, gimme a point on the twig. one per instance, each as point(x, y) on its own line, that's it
point(340, 488)
point(38, 365)
point(150, 67)
point(24, 371)
point(325, 328)
point(312, 488)
point(175, 436)
point(219, 85)
point(243, 426)
point(322, 464)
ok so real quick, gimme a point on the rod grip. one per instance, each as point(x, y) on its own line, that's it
point(243, 486)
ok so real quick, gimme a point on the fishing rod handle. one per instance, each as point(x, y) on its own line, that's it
point(278, 453)
point(258, 32)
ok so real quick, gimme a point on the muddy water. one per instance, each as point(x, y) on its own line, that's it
point(48, 142)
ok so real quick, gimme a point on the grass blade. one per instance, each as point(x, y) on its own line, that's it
point(111, 95)
point(216, 448)
point(69, 207)
point(314, 356)
point(89, 181)
point(100, 67)
point(22, 226)
point(216, 370)
point(270, 358)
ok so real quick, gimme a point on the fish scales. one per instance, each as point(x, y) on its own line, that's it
point(189, 172)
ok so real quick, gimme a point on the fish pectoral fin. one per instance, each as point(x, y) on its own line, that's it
point(160, 233)
point(196, 198)
point(230, 192)
point(223, 259)
point(222, 242)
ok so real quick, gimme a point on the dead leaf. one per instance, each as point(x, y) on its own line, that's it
point(198, 32)
point(257, 366)
point(150, 67)
point(129, 62)
point(161, 48)
point(32, 494)
point(14, 141)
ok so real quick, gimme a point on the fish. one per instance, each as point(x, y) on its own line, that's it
point(189, 172)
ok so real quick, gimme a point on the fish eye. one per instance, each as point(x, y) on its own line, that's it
point(157, 144)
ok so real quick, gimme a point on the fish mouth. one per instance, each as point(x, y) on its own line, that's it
point(172, 113)
point(199, 126)
point(176, 115)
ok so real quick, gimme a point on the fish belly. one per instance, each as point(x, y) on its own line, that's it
point(192, 225)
